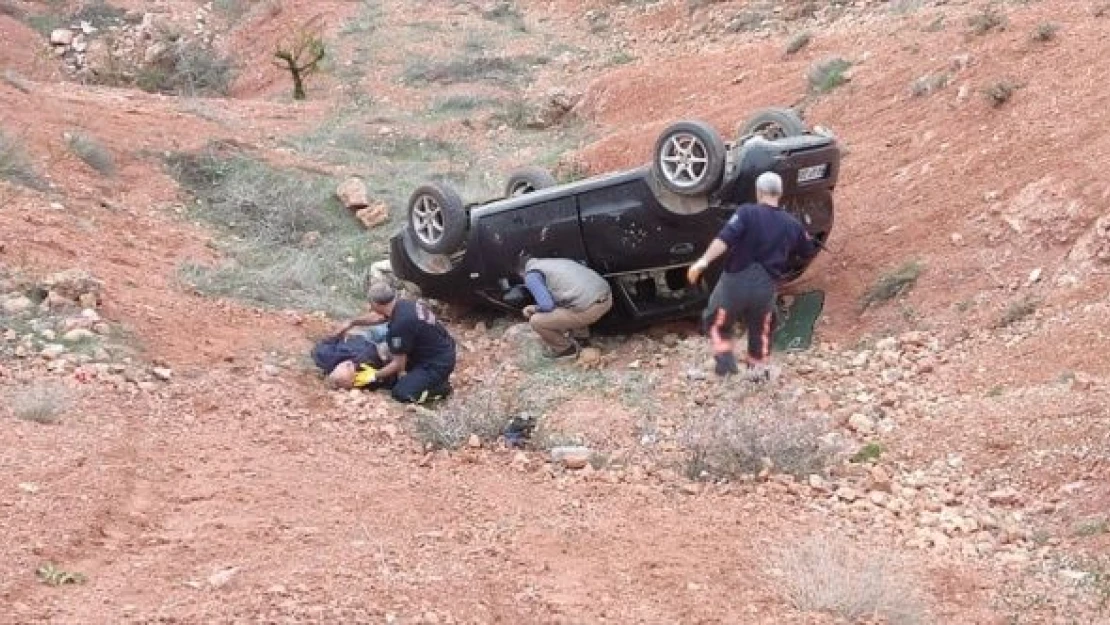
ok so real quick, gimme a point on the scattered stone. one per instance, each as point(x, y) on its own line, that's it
point(589, 357)
point(52, 351)
point(77, 335)
point(847, 493)
point(571, 457)
point(691, 488)
point(1004, 497)
point(861, 423)
point(61, 37)
point(880, 480)
point(222, 577)
point(71, 284)
point(373, 216)
point(474, 442)
point(352, 194)
point(162, 373)
point(17, 305)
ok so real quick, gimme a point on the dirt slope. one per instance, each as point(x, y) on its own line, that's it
point(241, 490)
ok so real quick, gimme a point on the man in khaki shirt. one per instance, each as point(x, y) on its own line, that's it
point(569, 297)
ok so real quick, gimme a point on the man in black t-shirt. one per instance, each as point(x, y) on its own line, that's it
point(422, 351)
point(757, 243)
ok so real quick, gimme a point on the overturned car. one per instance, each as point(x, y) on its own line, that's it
point(639, 228)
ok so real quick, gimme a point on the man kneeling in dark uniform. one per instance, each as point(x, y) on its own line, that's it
point(421, 351)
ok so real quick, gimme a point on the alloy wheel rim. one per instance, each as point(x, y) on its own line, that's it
point(684, 160)
point(427, 220)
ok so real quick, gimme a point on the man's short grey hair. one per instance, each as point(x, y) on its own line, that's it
point(381, 293)
point(770, 183)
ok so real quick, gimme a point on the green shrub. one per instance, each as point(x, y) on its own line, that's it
point(1019, 310)
point(828, 74)
point(290, 244)
point(508, 14)
point(893, 284)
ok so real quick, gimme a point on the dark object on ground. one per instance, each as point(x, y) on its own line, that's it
point(519, 430)
point(329, 352)
point(640, 228)
point(795, 320)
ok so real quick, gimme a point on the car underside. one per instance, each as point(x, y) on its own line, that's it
point(640, 228)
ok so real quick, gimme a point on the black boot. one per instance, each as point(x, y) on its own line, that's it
point(726, 364)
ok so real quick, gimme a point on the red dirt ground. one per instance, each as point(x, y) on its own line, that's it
point(236, 494)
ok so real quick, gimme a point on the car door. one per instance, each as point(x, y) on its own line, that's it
point(626, 230)
point(544, 226)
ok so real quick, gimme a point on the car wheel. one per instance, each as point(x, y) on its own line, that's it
point(528, 179)
point(437, 218)
point(774, 123)
point(689, 158)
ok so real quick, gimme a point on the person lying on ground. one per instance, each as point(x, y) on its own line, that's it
point(422, 351)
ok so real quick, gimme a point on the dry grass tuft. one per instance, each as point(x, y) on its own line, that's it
point(1000, 92)
point(797, 42)
point(1045, 31)
point(41, 403)
point(828, 574)
point(482, 412)
point(987, 20)
point(744, 435)
point(92, 153)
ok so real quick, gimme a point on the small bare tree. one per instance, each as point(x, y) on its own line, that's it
point(301, 55)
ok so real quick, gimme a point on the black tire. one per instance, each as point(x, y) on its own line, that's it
point(774, 123)
point(689, 158)
point(437, 218)
point(528, 179)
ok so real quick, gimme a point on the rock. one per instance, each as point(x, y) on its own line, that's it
point(61, 37)
point(878, 498)
point(17, 305)
point(222, 577)
point(521, 461)
point(816, 482)
point(77, 335)
point(310, 239)
point(474, 442)
point(72, 284)
point(162, 373)
point(52, 351)
point(1003, 496)
point(880, 480)
point(861, 423)
point(352, 194)
point(373, 216)
point(381, 271)
point(571, 457)
point(589, 357)
point(847, 493)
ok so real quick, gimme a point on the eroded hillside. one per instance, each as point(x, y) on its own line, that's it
point(169, 454)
